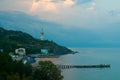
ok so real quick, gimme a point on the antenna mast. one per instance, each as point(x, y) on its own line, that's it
point(42, 34)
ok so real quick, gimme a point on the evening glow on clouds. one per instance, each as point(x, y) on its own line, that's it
point(77, 13)
point(66, 12)
point(43, 5)
point(49, 5)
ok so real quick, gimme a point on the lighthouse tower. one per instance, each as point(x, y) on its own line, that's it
point(42, 35)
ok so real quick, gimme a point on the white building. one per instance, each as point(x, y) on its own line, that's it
point(20, 51)
point(15, 57)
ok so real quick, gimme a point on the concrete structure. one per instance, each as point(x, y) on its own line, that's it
point(20, 51)
point(42, 35)
point(44, 51)
point(83, 66)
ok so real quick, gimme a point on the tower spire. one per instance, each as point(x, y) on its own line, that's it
point(42, 34)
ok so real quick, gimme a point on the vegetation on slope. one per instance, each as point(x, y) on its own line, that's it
point(16, 70)
point(11, 40)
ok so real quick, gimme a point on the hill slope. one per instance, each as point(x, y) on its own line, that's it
point(10, 40)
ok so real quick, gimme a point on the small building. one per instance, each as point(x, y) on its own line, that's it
point(15, 57)
point(20, 51)
point(44, 51)
point(28, 60)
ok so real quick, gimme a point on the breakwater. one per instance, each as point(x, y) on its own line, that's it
point(83, 66)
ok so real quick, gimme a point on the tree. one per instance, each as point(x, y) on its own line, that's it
point(16, 76)
point(47, 71)
point(13, 70)
point(13, 77)
point(16, 70)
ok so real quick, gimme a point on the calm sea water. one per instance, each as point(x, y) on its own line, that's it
point(92, 56)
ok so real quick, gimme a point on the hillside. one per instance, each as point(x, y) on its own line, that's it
point(10, 40)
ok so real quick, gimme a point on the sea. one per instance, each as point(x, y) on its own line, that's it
point(89, 56)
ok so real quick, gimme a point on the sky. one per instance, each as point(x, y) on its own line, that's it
point(100, 16)
point(77, 13)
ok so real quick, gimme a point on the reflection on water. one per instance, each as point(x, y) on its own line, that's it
point(92, 56)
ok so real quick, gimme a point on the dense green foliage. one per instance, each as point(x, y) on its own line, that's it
point(16, 70)
point(13, 70)
point(10, 40)
point(47, 71)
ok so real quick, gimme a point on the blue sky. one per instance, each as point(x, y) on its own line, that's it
point(100, 17)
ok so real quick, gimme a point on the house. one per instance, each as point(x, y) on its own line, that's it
point(20, 51)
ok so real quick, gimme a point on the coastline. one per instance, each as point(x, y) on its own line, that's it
point(52, 59)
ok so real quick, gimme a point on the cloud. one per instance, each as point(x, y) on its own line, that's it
point(43, 5)
point(114, 12)
point(83, 1)
point(92, 6)
point(64, 12)
point(15, 5)
point(69, 2)
point(50, 5)
point(77, 13)
point(55, 4)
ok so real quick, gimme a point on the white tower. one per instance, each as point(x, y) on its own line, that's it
point(42, 35)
